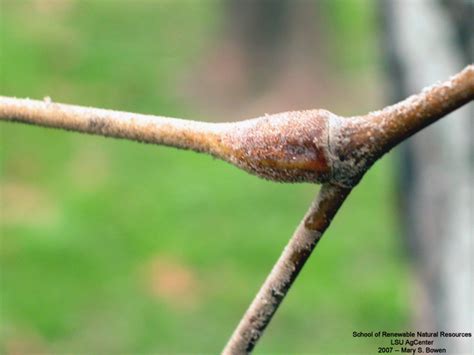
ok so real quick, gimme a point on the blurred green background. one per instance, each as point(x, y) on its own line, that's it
point(114, 247)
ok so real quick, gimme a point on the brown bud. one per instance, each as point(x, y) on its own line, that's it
point(285, 147)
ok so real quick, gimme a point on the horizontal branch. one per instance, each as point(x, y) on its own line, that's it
point(297, 146)
point(258, 145)
point(174, 132)
point(357, 142)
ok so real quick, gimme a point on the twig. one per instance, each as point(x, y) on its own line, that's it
point(298, 146)
point(174, 132)
point(285, 147)
point(355, 144)
point(287, 268)
point(311, 146)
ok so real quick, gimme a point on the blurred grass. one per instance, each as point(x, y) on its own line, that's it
point(116, 247)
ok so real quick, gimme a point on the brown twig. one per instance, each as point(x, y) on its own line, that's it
point(287, 268)
point(355, 144)
point(285, 147)
point(298, 146)
point(311, 146)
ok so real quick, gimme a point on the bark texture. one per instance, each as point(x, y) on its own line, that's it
point(297, 146)
point(287, 268)
point(285, 147)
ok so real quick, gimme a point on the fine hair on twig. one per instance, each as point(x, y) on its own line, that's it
point(300, 146)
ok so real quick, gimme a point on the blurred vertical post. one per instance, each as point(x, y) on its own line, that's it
point(258, 29)
point(426, 41)
point(268, 57)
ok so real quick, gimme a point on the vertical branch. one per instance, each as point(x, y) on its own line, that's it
point(297, 146)
point(287, 268)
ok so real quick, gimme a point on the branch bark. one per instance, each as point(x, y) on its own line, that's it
point(356, 143)
point(359, 141)
point(299, 146)
point(287, 268)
